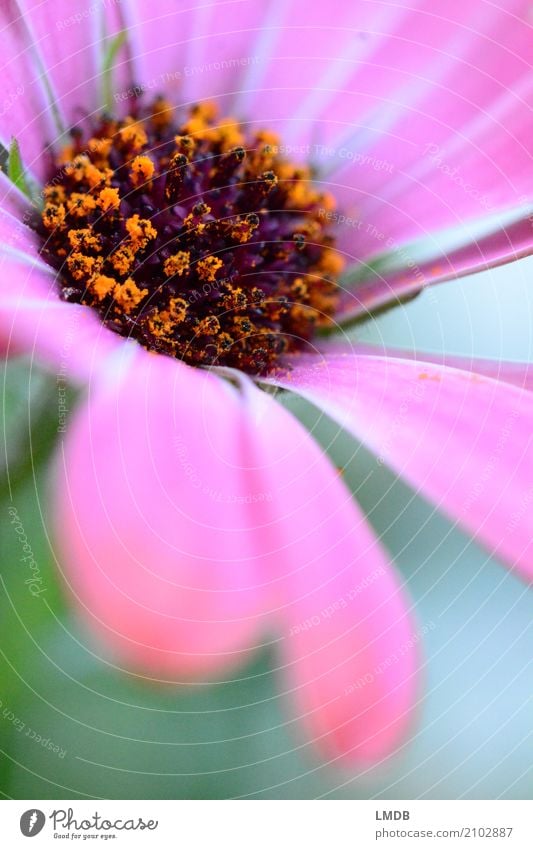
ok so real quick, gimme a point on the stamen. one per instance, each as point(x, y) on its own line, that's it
point(142, 169)
point(177, 264)
point(108, 199)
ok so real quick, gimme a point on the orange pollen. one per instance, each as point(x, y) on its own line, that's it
point(208, 267)
point(108, 199)
point(142, 170)
point(177, 263)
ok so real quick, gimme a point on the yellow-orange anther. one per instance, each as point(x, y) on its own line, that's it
point(141, 170)
point(108, 199)
point(177, 264)
point(128, 295)
point(208, 267)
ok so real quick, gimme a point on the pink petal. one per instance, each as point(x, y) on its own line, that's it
point(12, 200)
point(68, 338)
point(19, 241)
point(392, 98)
point(24, 112)
point(304, 54)
point(463, 440)
point(155, 518)
point(439, 136)
point(53, 57)
point(374, 289)
point(194, 50)
point(188, 513)
point(415, 131)
point(65, 40)
point(518, 373)
point(16, 236)
point(347, 640)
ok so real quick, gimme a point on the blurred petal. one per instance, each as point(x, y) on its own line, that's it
point(347, 639)
point(186, 514)
point(462, 440)
point(153, 518)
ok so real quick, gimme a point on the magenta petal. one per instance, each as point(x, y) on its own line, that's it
point(438, 137)
point(12, 200)
point(347, 639)
point(462, 440)
point(52, 60)
point(66, 38)
point(302, 58)
point(195, 50)
point(518, 373)
point(153, 518)
point(65, 34)
point(375, 290)
point(16, 236)
point(25, 110)
point(68, 338)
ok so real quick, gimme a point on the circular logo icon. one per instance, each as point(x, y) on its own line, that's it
point(32, 822)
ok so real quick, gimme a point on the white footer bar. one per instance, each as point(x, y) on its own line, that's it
point(269, 824)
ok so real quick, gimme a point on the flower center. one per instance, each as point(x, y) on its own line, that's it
point(195, 237)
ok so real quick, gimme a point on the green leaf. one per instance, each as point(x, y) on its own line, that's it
point(109, 60)
point(15, 169)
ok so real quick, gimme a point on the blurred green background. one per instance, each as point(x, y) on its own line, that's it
point(115, 737)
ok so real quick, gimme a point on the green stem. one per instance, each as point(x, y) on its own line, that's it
point(110, 56)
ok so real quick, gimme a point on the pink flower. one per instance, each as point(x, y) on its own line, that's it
point(194, 516)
